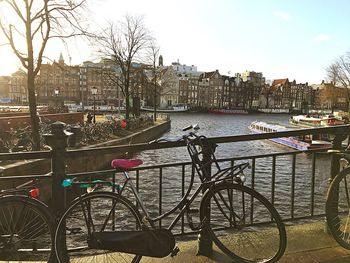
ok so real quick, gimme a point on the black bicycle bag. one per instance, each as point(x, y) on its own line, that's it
point(153, 243)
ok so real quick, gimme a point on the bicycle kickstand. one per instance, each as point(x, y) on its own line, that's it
point(175, 251)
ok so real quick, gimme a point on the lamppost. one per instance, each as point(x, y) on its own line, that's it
point(81, 77)
point(57, 91)
point(155, 97)
point(94, 92)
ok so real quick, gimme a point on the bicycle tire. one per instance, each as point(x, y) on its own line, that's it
point(338, 208)
point(240, 228)
point(25, 229)
point(75, 247)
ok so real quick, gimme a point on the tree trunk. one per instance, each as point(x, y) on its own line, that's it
point(127, 102)
point(31, 85)
point(33, 111)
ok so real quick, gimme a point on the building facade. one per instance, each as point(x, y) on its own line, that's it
point(18, 91)
point(4, 87)
point(169, 87)
point(58, 80)
point(329, 97)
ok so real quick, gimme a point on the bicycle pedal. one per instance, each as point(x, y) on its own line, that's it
point(76, 230)
point(193, 211)
point(175, 251)
point(192, 225)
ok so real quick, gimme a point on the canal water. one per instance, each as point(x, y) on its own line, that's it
point(224, 125)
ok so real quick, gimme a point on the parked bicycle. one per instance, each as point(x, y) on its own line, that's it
point(338, 202)
point(25, 225)
point(102, 226)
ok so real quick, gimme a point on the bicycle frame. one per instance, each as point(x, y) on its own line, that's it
point(184, 203)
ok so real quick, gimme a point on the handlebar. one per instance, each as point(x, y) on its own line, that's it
point(343, 154)
point(195, 127)
point(187, 128)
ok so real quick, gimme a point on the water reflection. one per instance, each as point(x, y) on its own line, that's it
point(215, 125)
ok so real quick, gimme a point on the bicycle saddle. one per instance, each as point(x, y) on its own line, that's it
point(126, 163)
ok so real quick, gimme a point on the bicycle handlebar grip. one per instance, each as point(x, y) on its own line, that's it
point(187, 128)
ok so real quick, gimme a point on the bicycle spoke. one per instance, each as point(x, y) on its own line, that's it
point(87, 217)
point(12, 223)
point(232, 213)
point(229, 207)
point(25, 230)
point(109, 216)
point(94, 212)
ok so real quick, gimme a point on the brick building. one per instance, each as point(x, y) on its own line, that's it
point(4, 86)
point(329, 97)
point(58, 80)
point(18, 92)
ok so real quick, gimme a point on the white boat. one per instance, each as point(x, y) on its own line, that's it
point(301, 143)
point(315, 121)
point(174, 108)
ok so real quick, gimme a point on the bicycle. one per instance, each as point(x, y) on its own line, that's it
point(25, 225)
point(338, 202)
point(240, 221)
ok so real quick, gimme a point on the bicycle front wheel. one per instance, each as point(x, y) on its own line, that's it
point(338, 208)
point(25, 229)
point(243, 224)
point(94, 212)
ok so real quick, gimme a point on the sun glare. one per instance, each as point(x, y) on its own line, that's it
point(9, 63)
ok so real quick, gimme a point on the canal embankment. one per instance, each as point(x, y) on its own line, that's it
point(79, 163)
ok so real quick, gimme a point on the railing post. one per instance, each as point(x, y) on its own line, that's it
point(57, 140)
point(205, 244)
point(335, 166)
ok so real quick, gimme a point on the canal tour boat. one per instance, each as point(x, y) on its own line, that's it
point(315, 121)
point(228, 111)
point(170, 109)
point(301, 143)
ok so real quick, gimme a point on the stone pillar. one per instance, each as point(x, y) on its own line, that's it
point(57, 140)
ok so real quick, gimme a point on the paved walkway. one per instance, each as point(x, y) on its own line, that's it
point(306, 243)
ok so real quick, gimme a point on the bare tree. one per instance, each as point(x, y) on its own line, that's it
point(338, 73)
point(27, 26)
point(125, 43)
point(153, 57)
point(329, 95)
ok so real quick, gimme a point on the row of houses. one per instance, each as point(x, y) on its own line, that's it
point(172, 85)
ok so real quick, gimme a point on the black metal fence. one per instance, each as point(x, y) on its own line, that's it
point(59, 154)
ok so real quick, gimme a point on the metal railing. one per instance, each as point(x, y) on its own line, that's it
point(57, 140)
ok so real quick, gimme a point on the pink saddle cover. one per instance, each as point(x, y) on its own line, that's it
point(126, 163)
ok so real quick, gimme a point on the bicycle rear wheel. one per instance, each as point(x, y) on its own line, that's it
point(338, 208)
point(25, 229)
point(95, 212)
point(243, 224)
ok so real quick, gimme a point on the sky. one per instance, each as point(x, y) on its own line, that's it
point(294, 39)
